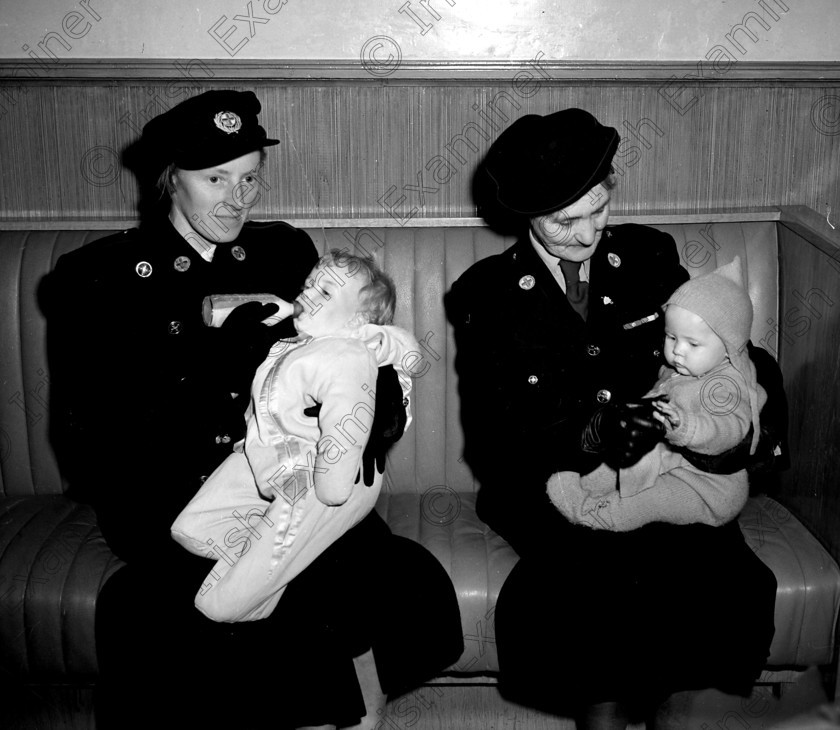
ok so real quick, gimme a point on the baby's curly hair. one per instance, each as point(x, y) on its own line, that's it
point(379, 294)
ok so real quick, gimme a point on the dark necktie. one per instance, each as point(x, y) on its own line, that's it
point(577, 291)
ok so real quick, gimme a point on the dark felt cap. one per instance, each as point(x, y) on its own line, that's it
point(543, 163)
point(207, 130)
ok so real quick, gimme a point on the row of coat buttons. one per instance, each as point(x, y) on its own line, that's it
point(221, 439)
point(602, 396)
point(591, 350)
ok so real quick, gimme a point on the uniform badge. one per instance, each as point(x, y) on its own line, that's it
point(614, 260)
point(143, 269)
point(238, 253)
point(182, 263)
point(526, 282)
point(607, 300)
point(228, 122)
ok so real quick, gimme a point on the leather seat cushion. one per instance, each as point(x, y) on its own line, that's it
point(53, 562)
point(479, 561)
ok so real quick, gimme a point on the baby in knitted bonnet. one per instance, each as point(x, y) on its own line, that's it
point(707, 398)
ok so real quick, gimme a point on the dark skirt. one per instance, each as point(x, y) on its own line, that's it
point(161, 658)
point(634, 617)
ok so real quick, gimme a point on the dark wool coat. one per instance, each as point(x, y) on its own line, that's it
point(147, 402)
point(589, 616)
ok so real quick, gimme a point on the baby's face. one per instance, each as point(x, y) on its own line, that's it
point(331, 301)
point(691, 348)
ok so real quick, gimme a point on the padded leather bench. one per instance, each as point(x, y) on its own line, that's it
point(53, 560)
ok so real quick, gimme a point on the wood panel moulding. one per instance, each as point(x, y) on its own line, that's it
point(357, 146)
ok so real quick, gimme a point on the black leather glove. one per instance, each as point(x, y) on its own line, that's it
point(389, 421)
point(622, 432)
point(245, 342)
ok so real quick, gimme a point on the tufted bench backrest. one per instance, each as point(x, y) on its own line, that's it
point(423, 263)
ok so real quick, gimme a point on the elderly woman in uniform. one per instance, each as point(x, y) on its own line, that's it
point(148, 401)
point(558, 338)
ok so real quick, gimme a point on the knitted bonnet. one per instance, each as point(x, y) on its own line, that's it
point(721, 300)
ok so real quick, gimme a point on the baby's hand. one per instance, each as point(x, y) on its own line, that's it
point(666, 414)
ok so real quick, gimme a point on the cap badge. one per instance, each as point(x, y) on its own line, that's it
point(238, 253)
point(182, 263)
point(614, 260)
point(143, 269)
point(228, 122)
point(526, 282)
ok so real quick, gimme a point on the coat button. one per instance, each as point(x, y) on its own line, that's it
point(603, 396)
point(143, 269)
point(174, 327)
point(593, 350)
point(223, 439)
point(533, 379)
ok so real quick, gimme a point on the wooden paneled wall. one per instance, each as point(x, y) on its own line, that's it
point(356, 145)
point(807, 339)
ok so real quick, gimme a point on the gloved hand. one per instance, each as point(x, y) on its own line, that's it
point(245, 341)
point(622, 432)
point(250, 313)
point(389, 419)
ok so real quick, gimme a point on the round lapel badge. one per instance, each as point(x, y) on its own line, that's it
point(614, 260)
point(526, 282)
point(182, 263)
point(143, 269)
point(238, 253)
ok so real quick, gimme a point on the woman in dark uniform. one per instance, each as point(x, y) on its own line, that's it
point(148, 401)
point(558, 337)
